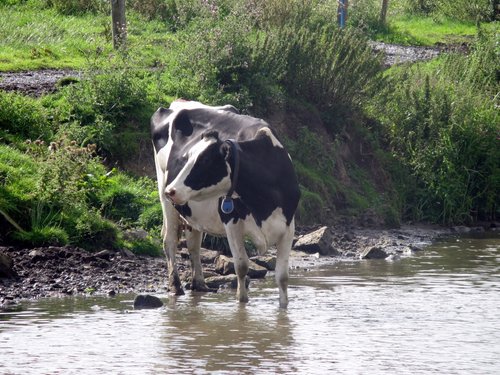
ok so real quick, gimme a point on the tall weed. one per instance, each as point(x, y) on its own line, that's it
point(444, 126)
point(332, 68)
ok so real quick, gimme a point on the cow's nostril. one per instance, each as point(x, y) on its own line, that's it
point(171, 192)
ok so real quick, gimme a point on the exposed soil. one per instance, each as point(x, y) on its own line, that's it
point(56, 271)
point(34, 83)
point(395, 54)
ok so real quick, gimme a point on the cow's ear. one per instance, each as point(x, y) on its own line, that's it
point(225, 150)
point(182, 123)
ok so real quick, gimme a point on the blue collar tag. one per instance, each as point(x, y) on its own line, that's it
point(227, 205)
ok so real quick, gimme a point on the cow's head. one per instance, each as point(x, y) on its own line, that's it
point(195, 161)
point(199, 163)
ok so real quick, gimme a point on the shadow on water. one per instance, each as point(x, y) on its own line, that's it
point(434, 312)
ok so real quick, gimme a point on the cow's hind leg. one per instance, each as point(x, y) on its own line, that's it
point(240, 258)
point(284, 247)
point(193, 239)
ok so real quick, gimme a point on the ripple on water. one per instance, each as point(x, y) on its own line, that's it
point(436, 312)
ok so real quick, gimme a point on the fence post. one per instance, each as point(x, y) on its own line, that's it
point(119, 23)
point(342, 12)
point(383, 12)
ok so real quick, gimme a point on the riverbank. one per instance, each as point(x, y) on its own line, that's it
point(61, 271)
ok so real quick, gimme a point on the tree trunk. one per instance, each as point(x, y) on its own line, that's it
point(119, 23)
point(383, 12)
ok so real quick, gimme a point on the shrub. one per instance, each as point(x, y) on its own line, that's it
point(45, 236)
point(212, 62)
point(151, 217)
point(444, 127)
point(92, 231)
point(77, 7)
point(332, 68)
point(365, 15)
point(23, 116)
point(311, 209)
point(464, 10)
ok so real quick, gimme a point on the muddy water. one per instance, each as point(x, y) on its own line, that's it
point(437, 312)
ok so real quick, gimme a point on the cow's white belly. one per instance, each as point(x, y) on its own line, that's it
point(205, 218)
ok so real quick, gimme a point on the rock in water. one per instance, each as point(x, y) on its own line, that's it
point(374, 252)
point(7, 267)
point(146, 301)
point(319, 241)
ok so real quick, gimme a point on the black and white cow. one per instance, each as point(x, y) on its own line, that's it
point(225, 174)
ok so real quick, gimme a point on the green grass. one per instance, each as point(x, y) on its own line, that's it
point(42, 38)
point(426, 31)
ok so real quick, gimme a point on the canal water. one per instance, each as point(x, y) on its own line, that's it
point(436, 312)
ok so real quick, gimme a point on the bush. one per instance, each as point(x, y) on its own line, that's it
point(334, 69)
point(464, 10)
point(77, 7)
point(44, 236)
point(23, 117)
point(91, 231)
point(212, 61)
point(104, 99)
point(365, 15)
point(443, 124)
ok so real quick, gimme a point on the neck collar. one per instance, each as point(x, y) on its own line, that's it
point(227, 205)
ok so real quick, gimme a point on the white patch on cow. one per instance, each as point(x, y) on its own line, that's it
point(184, 193)
point(178, 105)
point(205, 217)
point(267, 132)
point(269, 233)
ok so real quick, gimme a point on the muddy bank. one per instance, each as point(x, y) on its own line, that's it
point(36, 82)
point(56, 271)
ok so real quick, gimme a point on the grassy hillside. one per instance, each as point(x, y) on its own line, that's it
point(370, 146)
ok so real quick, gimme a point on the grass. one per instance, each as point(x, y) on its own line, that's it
point(33, 39)
point(427, 31)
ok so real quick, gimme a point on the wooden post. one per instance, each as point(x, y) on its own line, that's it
point(119, 23)
point(383, 12)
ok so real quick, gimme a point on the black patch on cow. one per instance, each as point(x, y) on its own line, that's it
point(267, 180)
point(159, 127)
point(182, 123)
point(209, 168)
point(184, 210)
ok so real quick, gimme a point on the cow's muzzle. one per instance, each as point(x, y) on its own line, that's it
point(172, 195)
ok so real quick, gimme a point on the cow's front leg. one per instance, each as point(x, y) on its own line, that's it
point(193, 239)
point(170, 235)
point(235, 238)
point(284, 247)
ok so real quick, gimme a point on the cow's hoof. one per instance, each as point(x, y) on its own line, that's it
point(243, 299)
point(176, 291)
point(202, 287)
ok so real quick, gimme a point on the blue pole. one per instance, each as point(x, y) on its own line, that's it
point(342, 14)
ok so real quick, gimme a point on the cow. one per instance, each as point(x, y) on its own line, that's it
point(224, 174)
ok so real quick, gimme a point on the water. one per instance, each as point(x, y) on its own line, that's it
point(437, 312)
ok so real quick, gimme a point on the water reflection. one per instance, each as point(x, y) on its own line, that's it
point(434, 312)
point(214, 335)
